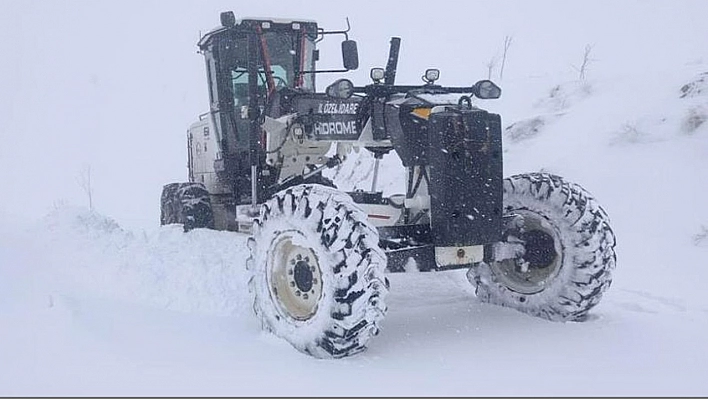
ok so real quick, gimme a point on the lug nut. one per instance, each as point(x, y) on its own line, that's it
point(298, 293)
point(298, 257)
point(290, 272)
point(314, 281)
point(292, 283)
point(304, 296)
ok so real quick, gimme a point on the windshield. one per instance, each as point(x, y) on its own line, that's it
point(286, 54)
point(239, 79)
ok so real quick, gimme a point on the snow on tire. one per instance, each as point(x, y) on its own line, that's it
point(169, 209)
point(317, 271)
point(188, 204)
point(567, 254)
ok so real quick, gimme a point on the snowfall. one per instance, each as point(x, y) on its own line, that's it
point(102, 301)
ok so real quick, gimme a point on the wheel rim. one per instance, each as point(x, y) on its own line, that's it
point(542, 261)
point(294, 277)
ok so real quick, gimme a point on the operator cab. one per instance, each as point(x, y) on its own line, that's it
point(278, 53)
point(249, 63)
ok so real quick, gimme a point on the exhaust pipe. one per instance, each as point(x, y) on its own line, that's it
point(392, 64)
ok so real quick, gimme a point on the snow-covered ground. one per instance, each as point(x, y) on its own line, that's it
point(107, 303)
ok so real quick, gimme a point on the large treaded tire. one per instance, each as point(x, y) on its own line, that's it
point(346, 303)
point(582, 251)
point(187, 204)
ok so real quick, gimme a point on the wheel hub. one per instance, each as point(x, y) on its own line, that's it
point(540, 261)
point(540, 251)
point(303, 275)
point(295, 278)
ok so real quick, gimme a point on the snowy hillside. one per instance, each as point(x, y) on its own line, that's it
point(106, 302)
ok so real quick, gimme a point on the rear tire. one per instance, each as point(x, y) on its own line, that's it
point(187, 204)
point(567, 255)
point(317, 272)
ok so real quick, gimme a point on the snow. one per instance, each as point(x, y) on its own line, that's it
point(106, 302)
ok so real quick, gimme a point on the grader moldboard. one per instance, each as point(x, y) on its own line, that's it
point(319, 257)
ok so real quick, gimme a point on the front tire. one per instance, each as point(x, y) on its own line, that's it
point(317, 271)
point(557, 255)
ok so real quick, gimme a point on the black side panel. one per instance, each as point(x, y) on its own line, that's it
point(378, 122)
point(465, 177)
point(424, 257)
point(366, 197)
point(326, 118)
point(409, 134)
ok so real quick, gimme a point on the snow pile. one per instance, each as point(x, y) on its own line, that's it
point(357, 173)
point(200, 271)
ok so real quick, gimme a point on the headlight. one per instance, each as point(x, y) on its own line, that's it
point(431, 75)
point(341, 88)
point(298, 131)
point(377, 74)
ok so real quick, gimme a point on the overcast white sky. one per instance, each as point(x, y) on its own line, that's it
point(115, 84)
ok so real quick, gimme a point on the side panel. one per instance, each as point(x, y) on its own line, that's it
point(203, 151)
point(465, 177)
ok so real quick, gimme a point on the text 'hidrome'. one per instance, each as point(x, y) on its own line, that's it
point(335, 128)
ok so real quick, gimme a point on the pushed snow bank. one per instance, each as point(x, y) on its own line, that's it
point(200, 271)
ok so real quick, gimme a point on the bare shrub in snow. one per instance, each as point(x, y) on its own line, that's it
point(583, 68)
point(701, 239)
point(565, 95)
point(84, 181)
point(507, 44)
point(558, 100)
point(694, 119)
point(630, 133)
point(491, 64)
point(59, 204)
point(696, 87)
point(525, 129)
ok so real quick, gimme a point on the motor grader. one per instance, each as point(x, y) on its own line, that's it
point(319, 256)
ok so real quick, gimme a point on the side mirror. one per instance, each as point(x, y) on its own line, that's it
point(350, 55)
point(486, 90)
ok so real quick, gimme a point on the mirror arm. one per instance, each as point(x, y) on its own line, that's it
point(321, 32)
point(327, 71)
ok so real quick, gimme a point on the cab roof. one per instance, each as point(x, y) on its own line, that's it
point(248, 24)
